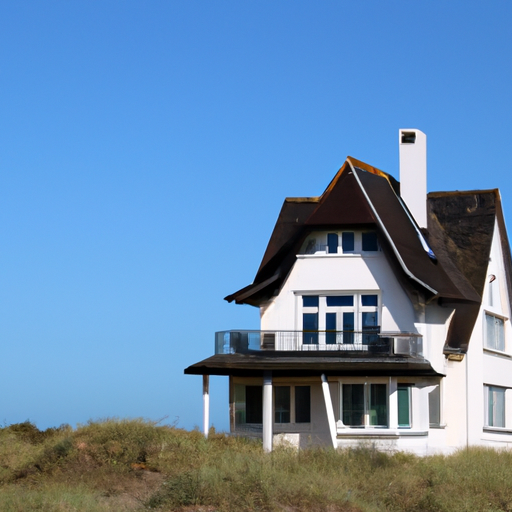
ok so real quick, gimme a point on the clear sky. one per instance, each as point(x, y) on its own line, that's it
point(146, 149)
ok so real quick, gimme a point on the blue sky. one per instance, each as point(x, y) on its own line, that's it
point(145, 152)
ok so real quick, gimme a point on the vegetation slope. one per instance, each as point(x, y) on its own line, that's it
point(135, 465)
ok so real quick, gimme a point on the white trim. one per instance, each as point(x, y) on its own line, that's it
point(497, 430)
point(376, 433)
point(329, 408)
point(268, 409)
point(390, 240)
point(206, 404)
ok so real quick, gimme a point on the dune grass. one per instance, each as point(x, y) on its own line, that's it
point(135, 465)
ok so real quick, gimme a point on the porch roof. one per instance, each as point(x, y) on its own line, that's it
point(301, 364)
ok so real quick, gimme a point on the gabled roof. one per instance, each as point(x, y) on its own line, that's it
point(447, 262)
point(461, 228)
point(359, 195)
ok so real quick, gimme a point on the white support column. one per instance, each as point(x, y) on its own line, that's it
point(393, 403)
point(206, 404)
point(267, 412)
point(330, 410)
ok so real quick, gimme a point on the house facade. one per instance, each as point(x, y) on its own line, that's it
point(385, 318)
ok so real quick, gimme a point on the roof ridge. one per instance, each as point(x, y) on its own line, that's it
point(462, 192)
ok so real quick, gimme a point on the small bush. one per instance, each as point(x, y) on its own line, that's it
point(29, 433)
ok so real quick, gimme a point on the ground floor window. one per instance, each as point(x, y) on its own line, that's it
point(284, 397)
point(364, 405)
point(248, 404)
point(495, 406)
point(434, 406)
point(404, 405)
point(292, 404)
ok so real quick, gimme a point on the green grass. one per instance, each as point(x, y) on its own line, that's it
point(135, 465)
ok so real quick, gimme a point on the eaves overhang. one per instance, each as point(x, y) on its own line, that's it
point(310, 364)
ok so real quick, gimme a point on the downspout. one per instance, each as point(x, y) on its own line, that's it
point(467, 403)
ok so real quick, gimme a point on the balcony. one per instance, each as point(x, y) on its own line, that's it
point(340, 342)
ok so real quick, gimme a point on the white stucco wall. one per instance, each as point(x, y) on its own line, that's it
point(464, 392)
point(323, 274)
point(463, 414)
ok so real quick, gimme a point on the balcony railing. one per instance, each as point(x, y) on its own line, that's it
point(370, 341)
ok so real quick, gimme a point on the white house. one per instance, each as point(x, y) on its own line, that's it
point(385, 318)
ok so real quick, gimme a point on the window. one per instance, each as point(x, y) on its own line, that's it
point(248, 402)
point(347, 241)
point(495, 406)
point(340, 242)
point(302, 404)
point(284, 397)
point(348, 318)
point(369, 241)
point(364, 405)
point(494, 332)
point(282, 404)
point(332, 243)
point(310, 319)
point(434, 406)
point(254, 404)
point(404, 405)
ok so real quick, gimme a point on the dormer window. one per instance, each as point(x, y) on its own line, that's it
point(369, 241)
point(332, 243)
point(340, 242)
point(347, 241)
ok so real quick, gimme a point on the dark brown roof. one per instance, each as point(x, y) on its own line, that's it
point(460, 228)
point(301, 364)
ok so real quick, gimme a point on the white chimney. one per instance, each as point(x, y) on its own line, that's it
point(412, 146)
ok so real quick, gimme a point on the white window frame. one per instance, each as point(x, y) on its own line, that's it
point(408, 387)
point(367, 420)
point(322, 309)
point(318, 243)
point(492, 393)
point(494, 344)
point(293, 409)
point(439, 406)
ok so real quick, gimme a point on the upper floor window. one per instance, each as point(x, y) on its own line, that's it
point(341, 242)
point(494, 338)
point(332, 243)
point(347, 241)
point(369, 241)
point(344, 318)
